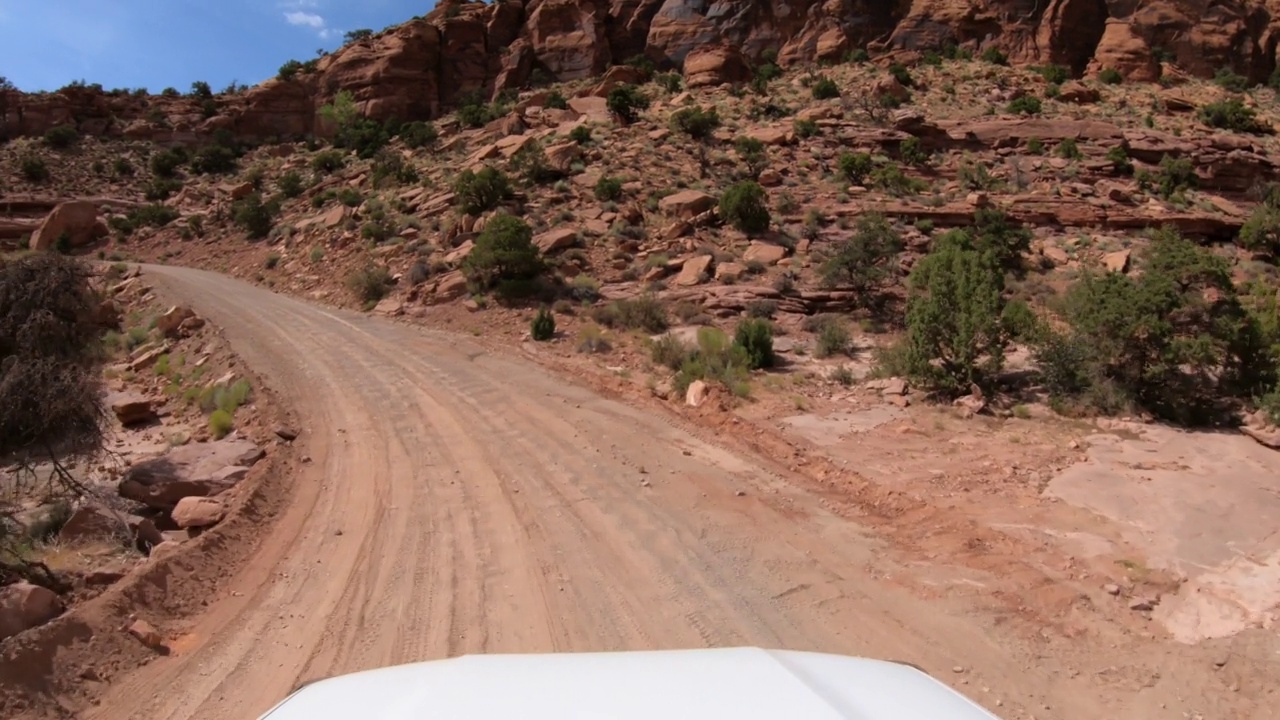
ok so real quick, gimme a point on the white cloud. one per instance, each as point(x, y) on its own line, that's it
point(305, 19)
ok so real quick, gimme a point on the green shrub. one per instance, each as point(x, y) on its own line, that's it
point(745, 206)
point(530, 162)
point(155, 215)
point(214, 160)
point(902, 75)
point(370, 284)
point(995, 56)
point(1054, 74)
point(1110, 76)
point(996, 235)
point(955, 338)
point(912, 153)
point(1025, 105)
point(753, 155)
point(418, 134)
point(626, 102)
point(1228, 80)
point(289, 69)
point(221, 423)
point(543, 327)
point(833, 337)
point(328, 161)
point(642, 313)
point(122, 167)
point(254, 216)
point(855, 167)
point(1175, 340)
point(391, 168)
point(1261, 232)
point(273, 259)
point(350, 197)
point(165, 163)
point(755, 337)
point(316, 254)
point(671, 82)
point(1020, 321)
point(1230, 114)
point(61, 137)
point(1176, 175)
point(892, 180)
point(824, 88)
point(556, 101)
point(34, 168)
point(1119, 159)
point(1068, 149)
point(480, 191)
point(1035, 146)
point(715, 359)
point(669, 351)
point(696, 122)
point(504, 253)
point(608, 188)
point(864, 260)
point(290, 184)
point(806, 128)
point(581, 135)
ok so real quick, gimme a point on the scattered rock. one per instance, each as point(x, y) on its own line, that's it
point(894, 386)
point(973, 403)
point(1111, 589)
point(696, 394)
point(286, 433)
point(146, 634)
point(763, 252)
point(24, 606)
point(1078, 93)
point(169, 323)
point(130, 408)
point(198, 469)
point(1117, 261)
point(694, 270)
point(198, 512)
point(556, 240)
point(687, 204)
point(1142, 604)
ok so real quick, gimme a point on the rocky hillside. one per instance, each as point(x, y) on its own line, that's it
point(424, 67)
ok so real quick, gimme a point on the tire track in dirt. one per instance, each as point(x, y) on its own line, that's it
point(486, 506)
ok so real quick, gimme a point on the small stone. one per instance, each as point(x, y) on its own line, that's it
point(146, 634)
point(741, 493)
point(1142, 605)
point(1111, 589)
point(286, 433)
point(957, 669)
point(1221, 661)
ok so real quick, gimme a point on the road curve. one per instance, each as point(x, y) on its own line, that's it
point(461, 502)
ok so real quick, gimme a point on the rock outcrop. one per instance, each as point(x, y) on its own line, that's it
point(197, 470)
point(425, 66)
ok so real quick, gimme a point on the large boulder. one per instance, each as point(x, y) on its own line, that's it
point(687, 204)
point(94, 522)
point(198, 512)
point(173, 318)
point(715, 65)
point(130, 408)
point(196, 470)
point(76, 219)
point(24, 606)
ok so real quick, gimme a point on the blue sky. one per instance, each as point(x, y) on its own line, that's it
point(45, 44)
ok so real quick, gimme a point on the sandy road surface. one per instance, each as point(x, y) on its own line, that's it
point(458, 502)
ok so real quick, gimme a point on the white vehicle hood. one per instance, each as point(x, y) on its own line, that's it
point(738, 683)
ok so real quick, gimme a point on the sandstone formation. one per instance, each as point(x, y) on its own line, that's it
point(425, 66)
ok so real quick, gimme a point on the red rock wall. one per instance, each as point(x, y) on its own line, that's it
point(421, 68)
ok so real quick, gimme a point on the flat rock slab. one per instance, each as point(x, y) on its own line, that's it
point(1202, 505)
point(200, 470)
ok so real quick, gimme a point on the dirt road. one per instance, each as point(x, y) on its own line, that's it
point(460, 502)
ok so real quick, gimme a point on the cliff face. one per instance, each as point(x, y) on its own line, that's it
point(421, 68)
